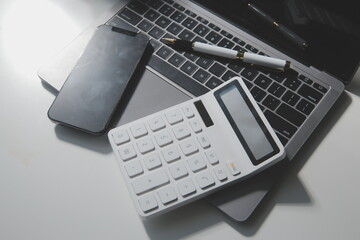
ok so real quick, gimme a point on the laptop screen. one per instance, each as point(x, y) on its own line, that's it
point(330, 29)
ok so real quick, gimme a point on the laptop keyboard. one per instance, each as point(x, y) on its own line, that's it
point(286, 99)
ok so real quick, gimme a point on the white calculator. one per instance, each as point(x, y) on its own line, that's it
point(188, 151)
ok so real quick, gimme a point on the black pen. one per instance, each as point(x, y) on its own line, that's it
point(247, 57)
point(296, 39)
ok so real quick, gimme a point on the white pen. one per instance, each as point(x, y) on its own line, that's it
point(247, 57)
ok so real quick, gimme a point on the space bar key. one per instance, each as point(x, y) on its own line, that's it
point(177, 76)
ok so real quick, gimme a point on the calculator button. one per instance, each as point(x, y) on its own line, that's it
point(127, 152)
point(195, 125)
point(152, 161)
point(233, 168)
point(186, 187)
point(188, 111)
point(211, 157)
point(181, 131)
point(138, 130)
point(204, 141)
point(196, 163)
point(167, 195)
point(148, 203)
point(150, 181)
point(171, 154)
point(205, 180)
point(120, 136)
point(163, 138)
point(220, 173)
point(189, 147)
point(178, 170)
point(174, 116)
point(133, 168)
point(145, 145)
point(156, 123)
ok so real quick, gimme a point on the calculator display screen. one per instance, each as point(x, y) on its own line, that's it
point(246, 123)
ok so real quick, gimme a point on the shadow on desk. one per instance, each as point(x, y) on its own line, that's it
point(290, 190)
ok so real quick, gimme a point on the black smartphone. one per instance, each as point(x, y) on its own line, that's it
point(95, 86)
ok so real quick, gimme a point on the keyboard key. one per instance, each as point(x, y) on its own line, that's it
point(201, 75)
point(171, 154)
point(220, 173)
point(226, 34)
point(279, 77)
point(133, 168)
point(188, 111)
point(138, 7)
point(249, 73)
point(202, 20)
point(181, 131)
point(175, 28)
point(310, 94)
point(186, 35)
point(292, 83)
point(211, 157)
point(167, 195)
point(228, 75)
point(178, 170)
point(130, 16)
point(176, 60)
point(186, 187)
point(276, 89)
point(189, 23)
point(189, 147)
point(145, 25)
point(156, 32)
point(179, 7)
point(262, 81)
point(305, 107)
point(320, 88)
point(204, 141)
point(145, 145)
point(305, 79)
point(164, 52)
point(127, 152)
point(226, 43)
point(151, 15)
point(214, 27)
point(280, 124)
point(204, 62)
point(258, 93)
point(234, 169)
point(239, 41)
point(291, 114)
point(176, 76)
point(189, 67)
point(290, 98)
point(196, 163)
point(166, 10)
point(156, 123)
point(191, 55)
point(148, 203)
point(217, 69)
point(236, 65)
point(150, 181)
point(271, 102)
point(152, 161)
point(118, 22)
point(174, 116)
point(190, 13)
point(155, 3)
point(121, 137)
point(201, 30)
point(138, 130)
point(195, 126)
point(251, 48)
point(163, 138)
point(213, 37)
point(205, 180)
point(213, 82)
point(163, 22)
point(178, 16)
point(282, 139)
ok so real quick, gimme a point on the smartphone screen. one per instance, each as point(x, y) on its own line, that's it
point(94, 88)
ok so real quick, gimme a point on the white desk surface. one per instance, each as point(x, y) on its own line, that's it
point(56, 183)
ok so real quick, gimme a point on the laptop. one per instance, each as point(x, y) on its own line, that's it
point(294, 102)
